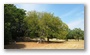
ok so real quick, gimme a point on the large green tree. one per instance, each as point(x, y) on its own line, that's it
point(13, 22)
point(31, 21)
point(45, 25)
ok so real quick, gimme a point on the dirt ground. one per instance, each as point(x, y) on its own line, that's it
point(71, 44)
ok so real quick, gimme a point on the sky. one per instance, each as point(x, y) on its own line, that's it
point(71, 14)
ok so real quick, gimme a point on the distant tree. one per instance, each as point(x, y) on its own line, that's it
point(82, 35)
point(76, 33)
point(70, 35)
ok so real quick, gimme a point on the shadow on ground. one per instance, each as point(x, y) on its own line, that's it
point(14, 46)
point(56, 41)
point(52, 42)
point(21, 46)
point(49, 41)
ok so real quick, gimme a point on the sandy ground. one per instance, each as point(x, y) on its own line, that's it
point(72, 44)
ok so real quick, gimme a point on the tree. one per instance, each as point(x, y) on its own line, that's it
point(70, 35)
point(45, 25)
point(13, 20)
point(82, 35)
point(76, 33)
point(32, 23)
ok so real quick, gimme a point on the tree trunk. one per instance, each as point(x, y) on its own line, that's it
point(47, 39)
point(66, 39)
point(78, 38)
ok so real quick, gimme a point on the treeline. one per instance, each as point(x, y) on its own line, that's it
point(35, 24)
point(76, 34)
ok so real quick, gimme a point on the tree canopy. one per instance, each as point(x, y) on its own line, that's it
point(13, 20)
point(76, 33)
point(45, 25)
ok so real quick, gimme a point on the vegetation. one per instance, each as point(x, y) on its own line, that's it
point(35, 24)
point(45, 25)
point(76, 33)
point(13, 22)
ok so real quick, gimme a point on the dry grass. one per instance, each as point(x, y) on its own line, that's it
point(71, 44)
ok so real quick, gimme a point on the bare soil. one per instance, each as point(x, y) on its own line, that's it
point(71, 44)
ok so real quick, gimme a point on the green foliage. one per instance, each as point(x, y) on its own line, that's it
point(45, 25)
point(70, 34)
point(76, 33)
point(13, 22)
